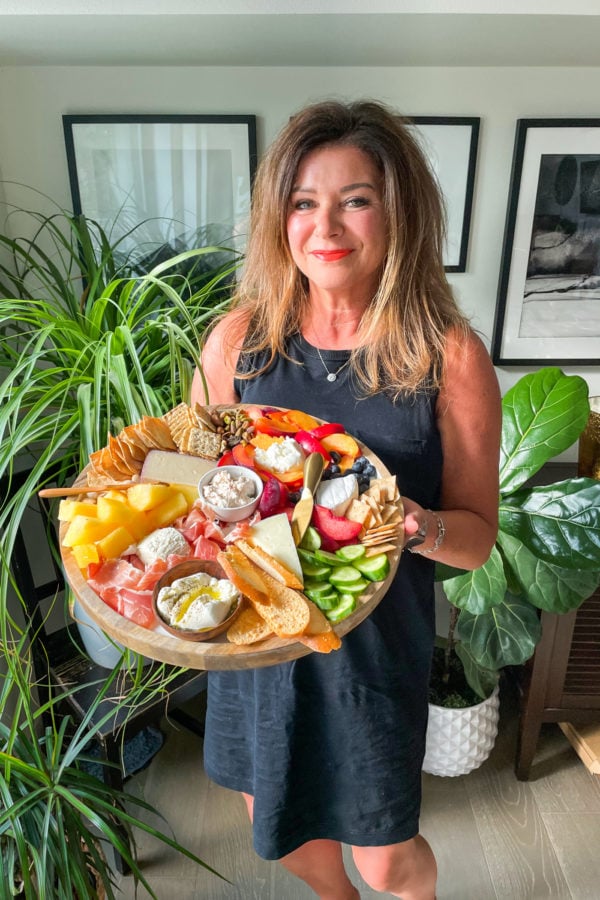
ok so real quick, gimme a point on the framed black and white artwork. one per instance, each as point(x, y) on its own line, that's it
point(548, 304)
point(161, 184)
point(450, 144)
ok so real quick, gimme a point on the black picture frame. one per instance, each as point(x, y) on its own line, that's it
point(162, 184)
point(450, 144)
point(548, 305)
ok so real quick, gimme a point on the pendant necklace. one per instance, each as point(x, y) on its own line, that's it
point(332, 376)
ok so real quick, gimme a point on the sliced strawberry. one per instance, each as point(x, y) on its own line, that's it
point(335, 527)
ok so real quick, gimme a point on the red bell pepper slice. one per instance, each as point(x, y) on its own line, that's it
point(310, 444)
point(325, 430)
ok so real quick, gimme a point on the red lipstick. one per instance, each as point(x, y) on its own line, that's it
point(331, 255)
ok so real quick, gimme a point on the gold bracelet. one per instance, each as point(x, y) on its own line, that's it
point(440, 535)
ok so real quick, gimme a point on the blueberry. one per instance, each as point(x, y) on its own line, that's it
point(294, 496)
point(359, 463)
point(334, 469)
point(370, 470)
point(335, 456)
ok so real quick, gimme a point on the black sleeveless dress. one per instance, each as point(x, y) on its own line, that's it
point(331, 745)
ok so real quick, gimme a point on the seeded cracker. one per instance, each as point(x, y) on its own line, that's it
point(202, 443)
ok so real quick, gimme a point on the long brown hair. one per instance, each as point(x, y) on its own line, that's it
point(402, 334)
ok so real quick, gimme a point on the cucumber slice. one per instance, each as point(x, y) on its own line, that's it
point(326, 601)
point(351, 552)
point(343, 576)
point(347, 605)
point(314, 589)
point(330, 559)
point(312, 539)
point(355, 588)
point(375, 568)
point(308, 555)
point(316, 571)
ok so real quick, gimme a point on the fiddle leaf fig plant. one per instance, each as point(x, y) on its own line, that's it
point(547, 554)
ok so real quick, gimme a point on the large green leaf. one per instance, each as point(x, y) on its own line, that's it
point(560, 523)
point(547, 586)
point(505, 636)
point(542, 415)
point(479, 590)
point(482, 681)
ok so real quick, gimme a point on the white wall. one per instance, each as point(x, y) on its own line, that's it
point(32, 101)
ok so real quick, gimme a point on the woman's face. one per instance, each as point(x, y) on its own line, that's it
point(336, 224)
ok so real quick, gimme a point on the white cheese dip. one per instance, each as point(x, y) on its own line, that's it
point(196, 601)
point(229, 492)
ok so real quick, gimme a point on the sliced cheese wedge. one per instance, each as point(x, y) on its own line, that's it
point(175, 468)
point(274, 536)
point(337, 493)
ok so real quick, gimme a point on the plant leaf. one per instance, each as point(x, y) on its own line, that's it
point(549, 587)
point(542, 415)
point(481, 589)
point(506, 635)
point(482, 681)
point(560, 523)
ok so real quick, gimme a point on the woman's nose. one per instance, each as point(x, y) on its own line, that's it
point(327, 222)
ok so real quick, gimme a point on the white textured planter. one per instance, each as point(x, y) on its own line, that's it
point(99, 647)
point(460, 740)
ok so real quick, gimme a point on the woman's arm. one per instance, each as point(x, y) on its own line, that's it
point(219, 361)
point(469, 418)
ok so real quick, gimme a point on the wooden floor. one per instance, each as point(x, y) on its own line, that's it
point(495, 838)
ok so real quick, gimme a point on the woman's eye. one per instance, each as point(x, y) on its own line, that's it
point(302, 204)
point(356, 202)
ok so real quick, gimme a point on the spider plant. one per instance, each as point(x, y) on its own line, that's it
point(86, 347)
point(56, 817)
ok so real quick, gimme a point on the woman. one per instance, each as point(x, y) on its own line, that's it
point(344, 311)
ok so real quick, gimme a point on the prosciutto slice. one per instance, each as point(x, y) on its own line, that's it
point(126, 585)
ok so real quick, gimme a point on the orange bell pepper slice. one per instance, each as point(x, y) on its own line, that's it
point(302, 420)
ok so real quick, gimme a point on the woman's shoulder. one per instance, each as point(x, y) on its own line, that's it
point(228, 331)
point(468, 366)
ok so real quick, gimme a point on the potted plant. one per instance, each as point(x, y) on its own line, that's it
point(86, 347)
point(57, 818)
point(546, 557)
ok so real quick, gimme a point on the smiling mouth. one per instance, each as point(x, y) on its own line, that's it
point(330, 255)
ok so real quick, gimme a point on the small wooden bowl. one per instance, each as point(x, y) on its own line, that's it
point(182, 570)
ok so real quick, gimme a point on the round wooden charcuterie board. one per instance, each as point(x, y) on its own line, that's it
point(219, 653)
